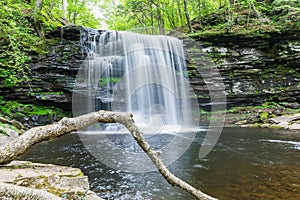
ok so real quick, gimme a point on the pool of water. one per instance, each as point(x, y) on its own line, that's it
point(244, 164)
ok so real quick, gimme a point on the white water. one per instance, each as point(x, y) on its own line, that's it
point(141, 74)
point(295, 145)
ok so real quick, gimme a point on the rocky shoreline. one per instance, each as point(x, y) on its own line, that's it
point(287, 122)
point(257, 117)
point(263, 118)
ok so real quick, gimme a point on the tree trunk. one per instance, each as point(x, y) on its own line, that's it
point(37, 23)
point(179, 13)
point(10, 151)
point(160, 19)
point(187, 16)
point(64, 9)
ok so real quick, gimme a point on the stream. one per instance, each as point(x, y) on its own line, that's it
point(245, 164)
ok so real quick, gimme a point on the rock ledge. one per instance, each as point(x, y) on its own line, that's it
point(65, 182)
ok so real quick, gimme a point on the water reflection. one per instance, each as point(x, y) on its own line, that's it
point(245, 164)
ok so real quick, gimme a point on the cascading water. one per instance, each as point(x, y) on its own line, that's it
point(141, 74)
point(144, 75)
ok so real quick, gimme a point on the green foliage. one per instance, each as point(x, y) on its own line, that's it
point(270, 105)
point(250, 18)
point(221, 15)
point(23, 24)
point(105, 81)
point(17, 39)
point(2, 132)
point(163, 14)
point(117, 16)
point(264, 116)
point(13, 109)
point(243, 17)
point(79, 12)
point(3, 125)
point(286, 2)
point(23, 27)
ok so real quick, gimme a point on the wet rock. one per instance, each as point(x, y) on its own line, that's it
point(35, 118)
point(278, 112)
point(242, 122)
point(290, 105)
point(53, 74)
point(258, 69)
point(288, 122)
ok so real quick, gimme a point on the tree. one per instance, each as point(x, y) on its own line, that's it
point(9, 151)
point(159, 14)
point(79, 13)
point(187, 16)
point(64, 9)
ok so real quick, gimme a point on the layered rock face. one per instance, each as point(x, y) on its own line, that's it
point(253, 70)
point(52, 74)
point(256, 70)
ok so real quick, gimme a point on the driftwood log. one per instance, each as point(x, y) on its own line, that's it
point(10, 151)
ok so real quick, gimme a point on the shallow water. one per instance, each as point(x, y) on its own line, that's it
point(245, 164)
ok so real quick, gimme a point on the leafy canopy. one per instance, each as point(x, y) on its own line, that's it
point(222, 15)
point(23, 27)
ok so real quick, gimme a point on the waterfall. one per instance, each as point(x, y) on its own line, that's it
point(141, 74)
point(144, 75)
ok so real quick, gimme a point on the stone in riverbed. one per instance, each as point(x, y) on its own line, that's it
point(290, 105)
point(288, 122)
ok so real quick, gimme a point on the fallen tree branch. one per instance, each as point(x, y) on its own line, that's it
point(10, 151)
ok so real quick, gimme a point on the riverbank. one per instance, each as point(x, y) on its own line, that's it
point(263, 117)
point(267, 115)
point(288, 122)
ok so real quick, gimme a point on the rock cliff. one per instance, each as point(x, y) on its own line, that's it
point(253, 70)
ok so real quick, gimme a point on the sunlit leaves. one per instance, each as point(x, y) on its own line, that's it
point(167, 14)
point(79, 12)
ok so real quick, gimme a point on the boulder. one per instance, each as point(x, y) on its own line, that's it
point(65, 182)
